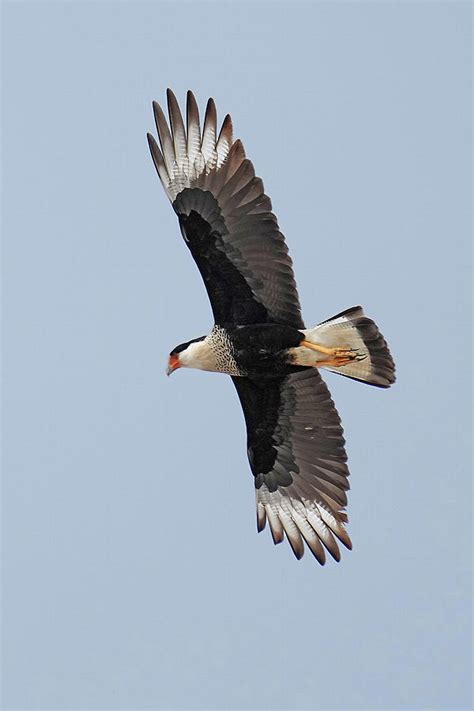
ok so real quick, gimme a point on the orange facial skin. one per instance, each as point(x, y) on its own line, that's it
point(173, 364)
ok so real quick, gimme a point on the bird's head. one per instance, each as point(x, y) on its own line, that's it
point(192, 354)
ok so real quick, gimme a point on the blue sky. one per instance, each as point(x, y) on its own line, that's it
point(133, 575)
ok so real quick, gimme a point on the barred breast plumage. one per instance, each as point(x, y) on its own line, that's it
point(221, 345)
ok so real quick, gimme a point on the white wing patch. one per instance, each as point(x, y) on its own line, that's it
point(300, 519)
point(186, 154)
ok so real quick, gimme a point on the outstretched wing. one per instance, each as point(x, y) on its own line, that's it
point(225, 217)
point(296, 452)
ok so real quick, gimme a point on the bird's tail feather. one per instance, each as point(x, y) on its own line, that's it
point(369, 360)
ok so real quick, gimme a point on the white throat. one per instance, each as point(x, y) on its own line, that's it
point(198, 355)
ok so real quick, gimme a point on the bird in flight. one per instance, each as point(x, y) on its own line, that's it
point(295, 440)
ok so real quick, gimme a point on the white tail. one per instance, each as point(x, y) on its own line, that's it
point(350, 330)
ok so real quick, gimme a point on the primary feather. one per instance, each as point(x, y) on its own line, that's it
point(209, 176)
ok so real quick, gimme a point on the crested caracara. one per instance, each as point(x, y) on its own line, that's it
point(295, 440)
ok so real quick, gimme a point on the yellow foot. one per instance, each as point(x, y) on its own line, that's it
point(345, 354)
point(336, 361)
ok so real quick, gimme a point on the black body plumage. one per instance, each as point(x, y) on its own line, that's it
point(261, 349)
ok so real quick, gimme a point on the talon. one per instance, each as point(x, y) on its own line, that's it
point(348, 354)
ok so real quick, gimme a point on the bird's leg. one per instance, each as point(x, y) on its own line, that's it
point(349, 353)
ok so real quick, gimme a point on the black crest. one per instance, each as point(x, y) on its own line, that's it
point(182, 346)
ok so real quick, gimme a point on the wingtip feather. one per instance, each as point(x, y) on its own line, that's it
point(177, 127)
point(158, 160)
point(261, 517)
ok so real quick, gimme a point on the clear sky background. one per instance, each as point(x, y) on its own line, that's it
point(133, 574)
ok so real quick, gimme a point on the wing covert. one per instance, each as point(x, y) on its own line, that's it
point(225, 217)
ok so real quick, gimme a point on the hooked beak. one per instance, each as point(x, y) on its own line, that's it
point(173, 364)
